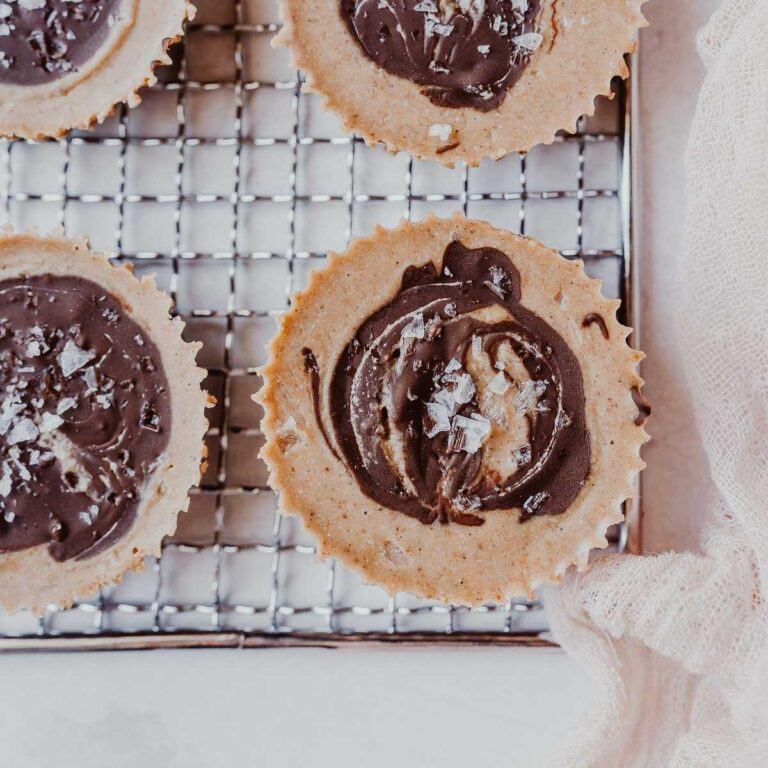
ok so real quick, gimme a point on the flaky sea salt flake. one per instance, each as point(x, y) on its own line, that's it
point(498, 385)
point(65, 404)
point(432, 26)
point(90, 379)
point(72, 358)
point(522, 455)
point(105, 401)
point(415, 328)
point(468, 435)
point(24, 431)
point(465, 503)
point(500, 26)
point(530, 41)
point(437, 420)
point(445, 398)
point(50, 422)
point(534, 503)
point(5, 482)
point(89, 515)
point(10, 410)
point(528, 394)
point(465, 389)
point(441, 131)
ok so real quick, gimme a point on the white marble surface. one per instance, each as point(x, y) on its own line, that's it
point(373, 707)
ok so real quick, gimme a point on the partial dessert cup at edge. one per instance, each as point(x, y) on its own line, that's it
point(453, 411)
point(65, 64)
point(457, 80)
point(101, 420)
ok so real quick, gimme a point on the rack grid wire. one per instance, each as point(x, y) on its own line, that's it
point(229, 184)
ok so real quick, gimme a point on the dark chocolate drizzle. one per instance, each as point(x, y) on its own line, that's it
point(594, 319)
point(40, 45)
point(384, 380)
point(84, 416)
point(643, 407)
point(465, 58)
point(313, 369)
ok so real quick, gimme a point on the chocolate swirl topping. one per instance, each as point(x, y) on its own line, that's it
point(593, 318)
point(644, 409)
point(468, 53)
point(426, 380)
point(44, 40)
point(84, 416)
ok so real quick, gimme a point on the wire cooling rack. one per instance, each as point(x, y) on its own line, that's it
point(230, 185)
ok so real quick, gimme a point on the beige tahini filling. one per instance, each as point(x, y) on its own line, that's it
point(583, 47)
point(137, 43)
point(31, 578)
point(502, 558)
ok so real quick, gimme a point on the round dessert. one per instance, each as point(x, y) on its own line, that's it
point(101, 421)
point(65, 63)
point(460, 79)
point(454, 411)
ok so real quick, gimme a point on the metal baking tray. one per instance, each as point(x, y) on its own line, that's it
point(230, 184)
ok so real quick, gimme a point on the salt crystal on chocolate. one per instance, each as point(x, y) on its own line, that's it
point(89, 515)
point(65, 404)
point(534, 503)
point(50, 422)
point(415, 328)
point(468, 435)
point(465, 503)
point(527, 395)
point(90, 379)
point(438, 419)
point(445, 398)
point(5, 482)
point(465, 389)
point(432, 26)
point(10, 409)
point(72, 358)
point(24, 431)
point(530, 41)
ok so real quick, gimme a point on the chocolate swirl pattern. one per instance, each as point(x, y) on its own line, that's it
point(84, 416)
point(412, 424)
point(43, 41)
point(467, 53)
